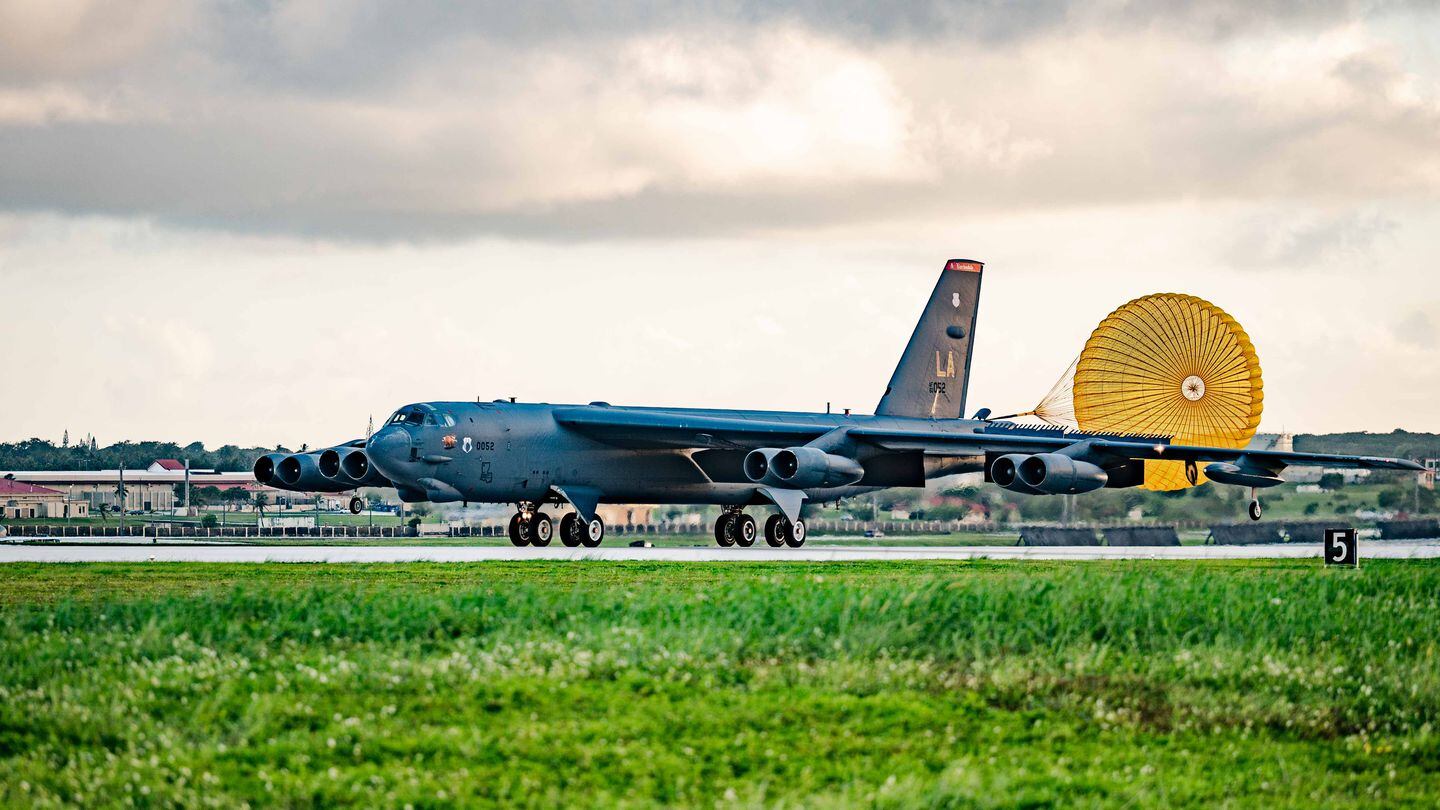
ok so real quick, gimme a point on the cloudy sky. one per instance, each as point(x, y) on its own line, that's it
point(262, 222)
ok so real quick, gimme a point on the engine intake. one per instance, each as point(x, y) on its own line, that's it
point(1056, 474)
point(801, 468)
point(301, 472)
point(355, 465)
point(1005, 472)
point(264, 469)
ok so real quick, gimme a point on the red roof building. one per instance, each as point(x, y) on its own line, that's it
point(9, 487)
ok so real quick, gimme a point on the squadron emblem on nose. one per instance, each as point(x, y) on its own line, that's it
point(467, 445)
point(449, 442)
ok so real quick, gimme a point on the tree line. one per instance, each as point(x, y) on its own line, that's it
point(40, 454)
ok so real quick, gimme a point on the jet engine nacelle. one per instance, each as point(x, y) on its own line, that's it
point(1056, 474)
point(801, 468)
point(1241, 475)
point(1005, 472)
point(350, 466)
point(301, 472)
point(264, 469)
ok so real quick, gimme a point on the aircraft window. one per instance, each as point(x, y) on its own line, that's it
point(415, 418)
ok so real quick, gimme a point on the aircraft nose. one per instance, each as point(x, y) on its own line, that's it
point(389, 449)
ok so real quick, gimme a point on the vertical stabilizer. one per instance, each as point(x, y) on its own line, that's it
point(934, 371)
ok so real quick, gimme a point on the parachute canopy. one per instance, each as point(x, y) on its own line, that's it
point(1167, 364)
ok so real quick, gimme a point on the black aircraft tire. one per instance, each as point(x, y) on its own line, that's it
point(593, 533)
point(570, 532)
point(724, 532)
point(795, 534)
point(1255, 511)
point(541, 529)
point(356, 505)
point(744, 531)
point(775, 531)
point(519, 532)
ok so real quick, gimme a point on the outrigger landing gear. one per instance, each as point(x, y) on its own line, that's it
point(1255, 510)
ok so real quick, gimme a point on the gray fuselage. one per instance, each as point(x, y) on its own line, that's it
point(504, 452)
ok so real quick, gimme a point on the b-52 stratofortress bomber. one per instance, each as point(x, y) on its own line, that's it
point(541, 456)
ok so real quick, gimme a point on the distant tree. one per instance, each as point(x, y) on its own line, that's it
point(1392, 498)
point(202, 496)
point(209, 521)
point(65, 439)
point(1312, 507)
point(1332, 481)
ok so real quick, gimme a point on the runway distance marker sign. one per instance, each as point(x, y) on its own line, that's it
point(1342, 547)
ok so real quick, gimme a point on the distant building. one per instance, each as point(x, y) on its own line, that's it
point(624, 514)
point(1279, 442)
point(153, 489)
point(1432, 469)
point(20, 500)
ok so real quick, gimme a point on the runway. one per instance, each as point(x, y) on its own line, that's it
point(459, 554)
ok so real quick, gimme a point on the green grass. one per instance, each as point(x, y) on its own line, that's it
point(972, 684)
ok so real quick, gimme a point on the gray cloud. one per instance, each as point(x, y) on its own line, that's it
point(1417, 330)
point(1282, 241)
point(572, 120)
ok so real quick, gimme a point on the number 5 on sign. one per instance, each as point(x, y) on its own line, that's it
point(1342, 548)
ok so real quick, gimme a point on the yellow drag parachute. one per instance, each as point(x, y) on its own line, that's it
point(1171, 364)
point(1167, 364)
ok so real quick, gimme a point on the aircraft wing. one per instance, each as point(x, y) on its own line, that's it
point(939, 443)
point(647, 430)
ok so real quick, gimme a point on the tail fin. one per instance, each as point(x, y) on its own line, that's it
point(934, 371)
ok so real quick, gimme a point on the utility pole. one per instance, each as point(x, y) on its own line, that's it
point(187, 487)
point(121, 493)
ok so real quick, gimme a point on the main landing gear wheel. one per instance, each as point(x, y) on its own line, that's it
point(775, 531)
point(795, 533)
point(356, 505)
point(725, 530)
point(592, 533)
point(541, 529)
point(744, 531)
point(519, 530)
point(570, 531)
point(1255, 510)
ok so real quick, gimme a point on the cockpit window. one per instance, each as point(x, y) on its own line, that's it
point(408, 416)
point(422, 415)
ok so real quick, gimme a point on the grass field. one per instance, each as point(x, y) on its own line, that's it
point(976, 684)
